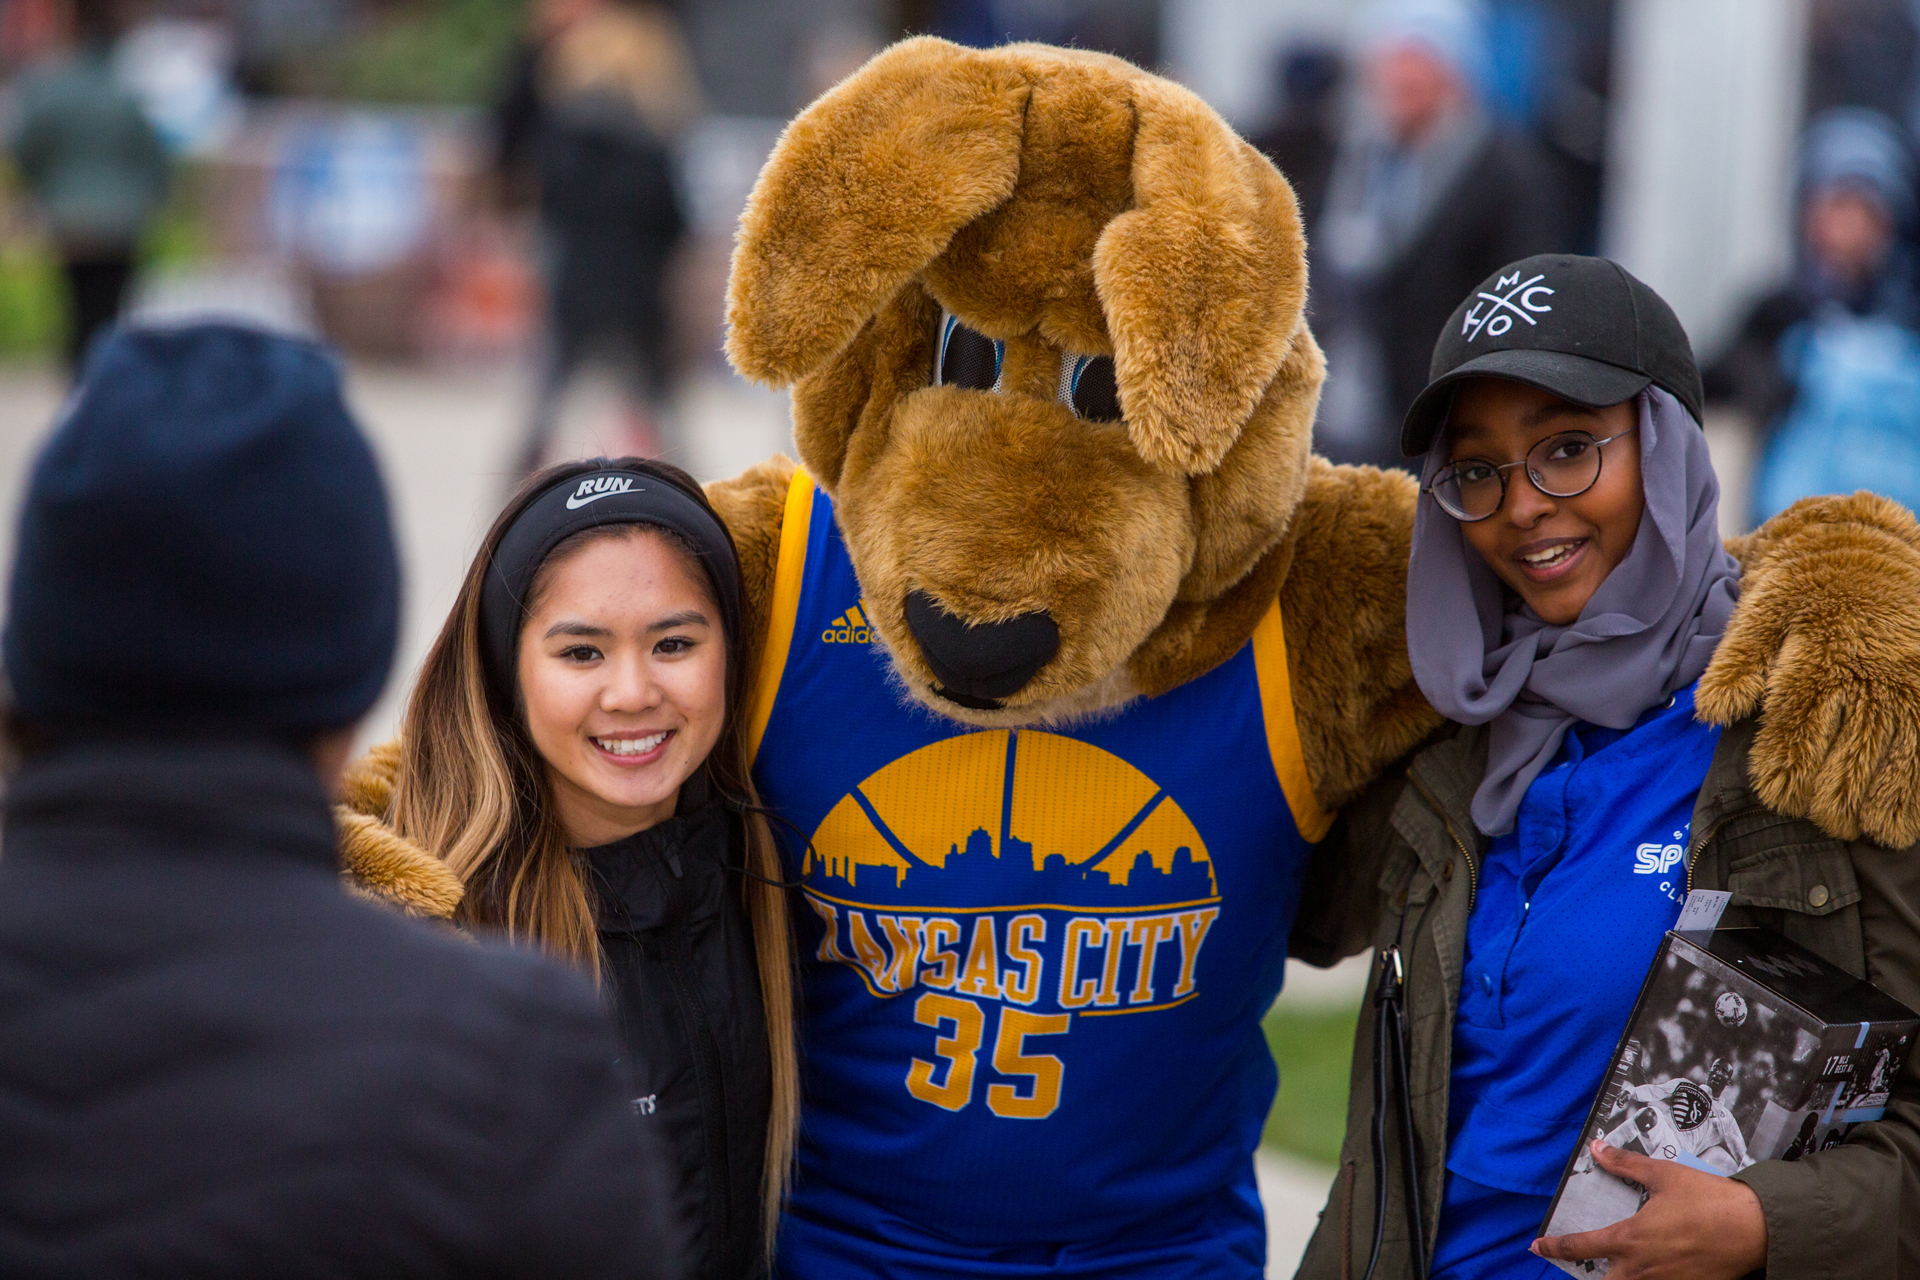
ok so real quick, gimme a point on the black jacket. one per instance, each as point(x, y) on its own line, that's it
point(214, 1062)
point(679, 954)
point(612, 216)
point(1498, 210)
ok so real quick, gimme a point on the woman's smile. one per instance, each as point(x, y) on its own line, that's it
point(632, 750)
point(1550, 559)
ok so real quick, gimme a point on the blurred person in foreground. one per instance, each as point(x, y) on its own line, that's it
point(615, 87)
point(1426, 198)
point(96, 167)
point(213, 1060)
point(1828, 366)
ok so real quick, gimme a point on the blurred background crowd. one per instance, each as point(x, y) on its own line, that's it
point(551, 185)
point(514, 216)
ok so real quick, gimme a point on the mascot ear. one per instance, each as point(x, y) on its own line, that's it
point(865, 188)
point(1202, 281)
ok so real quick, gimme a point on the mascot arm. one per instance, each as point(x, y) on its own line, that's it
point(753, 506)
point(1341, 903)
point(1826, 640)
point(1344, 602)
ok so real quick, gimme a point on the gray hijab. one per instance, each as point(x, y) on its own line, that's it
point(1650, 629)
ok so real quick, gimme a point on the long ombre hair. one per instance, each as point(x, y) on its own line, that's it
point(472, 789)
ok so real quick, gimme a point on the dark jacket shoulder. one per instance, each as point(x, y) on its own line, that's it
point(216, 1056)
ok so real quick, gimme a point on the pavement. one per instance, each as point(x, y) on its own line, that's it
point(1293, 1192)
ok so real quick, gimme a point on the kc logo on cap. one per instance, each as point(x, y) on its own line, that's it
point(1602, 348)
point(1520, 298)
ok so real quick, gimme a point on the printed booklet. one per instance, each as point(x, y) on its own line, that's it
point(1742, 1047)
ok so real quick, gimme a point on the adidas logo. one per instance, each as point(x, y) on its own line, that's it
point(849, 628)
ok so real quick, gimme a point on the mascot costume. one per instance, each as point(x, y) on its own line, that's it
point(1068, 651)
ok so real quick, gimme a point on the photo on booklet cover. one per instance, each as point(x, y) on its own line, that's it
point(1718, 1070)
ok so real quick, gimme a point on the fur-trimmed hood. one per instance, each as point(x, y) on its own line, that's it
point(375, 861)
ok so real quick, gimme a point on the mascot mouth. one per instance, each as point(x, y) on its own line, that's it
point(980, 665)
point(968, 701)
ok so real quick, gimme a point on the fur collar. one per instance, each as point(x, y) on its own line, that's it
point(376, 862)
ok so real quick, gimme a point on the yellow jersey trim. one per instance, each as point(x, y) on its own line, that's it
point(1283, 730)
point(789, 573)
point(1142, 1008)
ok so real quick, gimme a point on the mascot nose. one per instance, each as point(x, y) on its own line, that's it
point(979, 664)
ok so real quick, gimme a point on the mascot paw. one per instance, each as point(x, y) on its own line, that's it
point(1827, 642)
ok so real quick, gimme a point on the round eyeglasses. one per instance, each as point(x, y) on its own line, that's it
point(1565, 465)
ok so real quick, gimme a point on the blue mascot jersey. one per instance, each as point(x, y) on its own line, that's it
point(1035, 963)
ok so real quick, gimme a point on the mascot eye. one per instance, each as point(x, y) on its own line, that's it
point(1090, 389)
point(968, 358)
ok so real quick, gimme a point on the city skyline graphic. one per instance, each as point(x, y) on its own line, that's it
point(1010, 817)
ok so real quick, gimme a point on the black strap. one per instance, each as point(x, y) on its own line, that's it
point(1390, 1060)
point(743, 808)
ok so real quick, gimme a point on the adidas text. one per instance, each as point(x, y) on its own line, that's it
point(849, 628)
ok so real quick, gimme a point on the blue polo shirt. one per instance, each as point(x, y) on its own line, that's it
point(1570, 909)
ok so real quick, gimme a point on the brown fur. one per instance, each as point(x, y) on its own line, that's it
point(1045, 192)
point(1135, 224)
point(1827, 640)
point(1345, 605)
point(374, 860)
point(751, 504)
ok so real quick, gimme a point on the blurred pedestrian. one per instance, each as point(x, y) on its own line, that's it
point(213, 1060)
point(615, 88)
point(96, 167)
point(575, 750)
point(1302, 140)
point(1828, 366)
point(1427, 196)
point(516, 114)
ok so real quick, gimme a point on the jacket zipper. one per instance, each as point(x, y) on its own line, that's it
point(706, 1056)
point(1701, 842)
point(1473, 869)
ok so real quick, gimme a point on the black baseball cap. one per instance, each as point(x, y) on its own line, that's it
point(1582, 328)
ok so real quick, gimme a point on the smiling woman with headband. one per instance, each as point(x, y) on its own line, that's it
point(573, 752)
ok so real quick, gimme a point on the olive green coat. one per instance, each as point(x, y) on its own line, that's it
point(1403, 862)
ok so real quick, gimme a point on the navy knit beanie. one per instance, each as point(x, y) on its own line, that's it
point(204, 544)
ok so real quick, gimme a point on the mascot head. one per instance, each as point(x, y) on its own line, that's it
point(1041, 315)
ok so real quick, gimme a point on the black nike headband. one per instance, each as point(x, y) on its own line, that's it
point(590, 501)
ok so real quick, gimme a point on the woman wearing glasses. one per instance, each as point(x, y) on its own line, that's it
point(1566, 589)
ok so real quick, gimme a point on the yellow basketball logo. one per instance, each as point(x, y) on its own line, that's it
point(1036, 817)
point(1025, 869)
